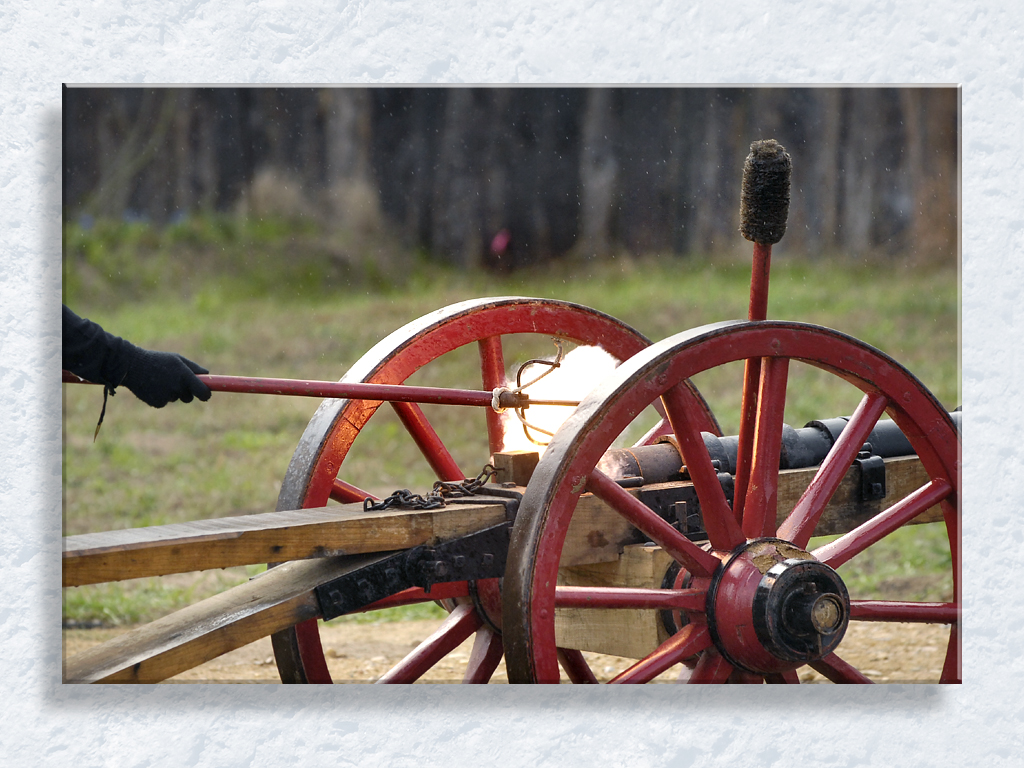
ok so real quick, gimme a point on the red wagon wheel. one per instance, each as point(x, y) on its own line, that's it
point(313, 475)
point(759, 605)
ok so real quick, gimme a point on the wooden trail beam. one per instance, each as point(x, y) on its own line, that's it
point(275, 600)
point(271, 537)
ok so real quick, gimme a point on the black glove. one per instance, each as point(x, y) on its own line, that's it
point(158, 378)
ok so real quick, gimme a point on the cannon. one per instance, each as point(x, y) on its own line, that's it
point(689, 552)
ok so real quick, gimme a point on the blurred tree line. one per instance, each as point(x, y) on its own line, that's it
point(583, 170)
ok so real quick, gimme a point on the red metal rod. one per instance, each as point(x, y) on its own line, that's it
point(899, 610)
point(757, 310)
point(759, 273)
point(357, 390)
point(762, 486)
point(630, 597)
point(400, 393)
point(395, 393)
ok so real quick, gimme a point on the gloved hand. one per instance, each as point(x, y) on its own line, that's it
point(158, 378)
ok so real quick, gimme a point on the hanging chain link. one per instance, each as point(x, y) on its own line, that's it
point(443, 489)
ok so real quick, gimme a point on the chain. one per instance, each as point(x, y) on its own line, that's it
point(443, 489)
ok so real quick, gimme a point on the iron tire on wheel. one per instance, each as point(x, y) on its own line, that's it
point(313, 474)
point(729, 594)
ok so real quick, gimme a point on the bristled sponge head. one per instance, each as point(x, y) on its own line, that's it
point(764, 206)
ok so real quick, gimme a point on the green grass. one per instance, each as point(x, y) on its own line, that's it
point(912, 563)
point(142, 600)
point(264, 299)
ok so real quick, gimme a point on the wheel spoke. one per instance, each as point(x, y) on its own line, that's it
point(428, 442)
point(684, 551)
point(711, 668)
point(799, 526)
point(898, 610)
point(307, 638)
point(748, 419)
point(835, 553)
point(485, 656)
point(719, 520)
point(951, 667)
point(689, 641)
point(789, 677)
point(838, 671)
point(575, 666)
point(492, 366)
point(630, 597)
point(660, 429)
point(480, 323)
point(460, 624)
point(761, 498)
point(349, 494)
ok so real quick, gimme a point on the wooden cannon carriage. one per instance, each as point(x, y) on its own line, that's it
point(689, 548)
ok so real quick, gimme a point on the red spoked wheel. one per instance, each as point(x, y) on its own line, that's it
point(759, 604)
point(317, 470)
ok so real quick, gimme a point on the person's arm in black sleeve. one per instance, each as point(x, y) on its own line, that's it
point(156, 378)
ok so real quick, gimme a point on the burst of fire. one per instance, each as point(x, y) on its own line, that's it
point(580, 371)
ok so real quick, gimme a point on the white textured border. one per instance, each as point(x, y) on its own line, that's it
point(977, 44)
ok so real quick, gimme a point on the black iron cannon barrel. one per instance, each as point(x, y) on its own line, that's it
point(801, 448)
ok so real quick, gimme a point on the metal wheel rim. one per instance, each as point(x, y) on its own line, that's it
point(329, 434)
point(549, 502)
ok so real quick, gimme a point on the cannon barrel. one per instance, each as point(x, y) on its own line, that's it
point(801, 448)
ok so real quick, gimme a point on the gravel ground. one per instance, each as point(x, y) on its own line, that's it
point(887, 653)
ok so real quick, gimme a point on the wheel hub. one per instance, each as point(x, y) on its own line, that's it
point(773, 607)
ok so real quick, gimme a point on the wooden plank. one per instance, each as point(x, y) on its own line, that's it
point(596, 532)
point(632, 633)
point(846, 511)
point(269, 603)
point(264, 538)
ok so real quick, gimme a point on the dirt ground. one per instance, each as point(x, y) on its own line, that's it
point(360, 653)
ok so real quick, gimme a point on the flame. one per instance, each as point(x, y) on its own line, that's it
point(581, 370)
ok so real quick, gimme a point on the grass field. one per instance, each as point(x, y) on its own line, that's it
point(298, 314)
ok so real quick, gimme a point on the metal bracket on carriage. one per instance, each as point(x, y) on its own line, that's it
point(678, 505)
point(872, 474)
point(472, 557)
